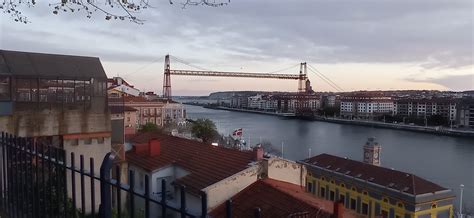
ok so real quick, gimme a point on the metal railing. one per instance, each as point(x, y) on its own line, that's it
point(38, 180)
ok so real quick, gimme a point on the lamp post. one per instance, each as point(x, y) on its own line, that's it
point(460, 201)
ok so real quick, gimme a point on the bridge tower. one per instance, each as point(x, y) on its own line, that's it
point(302, 78)
point(167, 79)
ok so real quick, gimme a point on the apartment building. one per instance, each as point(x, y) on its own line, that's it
point(365, 106)
point(157, 111)
point(409, 107)
point(375, 191)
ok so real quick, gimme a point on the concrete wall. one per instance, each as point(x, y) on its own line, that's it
point(285, 170)
point(221, 191)
point(54, 121)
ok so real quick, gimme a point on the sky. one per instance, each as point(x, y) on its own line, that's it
point(360, 45)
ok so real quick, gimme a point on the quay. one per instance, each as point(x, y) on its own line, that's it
point(406, 127)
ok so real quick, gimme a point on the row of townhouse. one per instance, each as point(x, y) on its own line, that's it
point(281, 103)
point(456, 111)
point(262, 102)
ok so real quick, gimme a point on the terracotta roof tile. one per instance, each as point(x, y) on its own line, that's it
point(389, 178)
point(207, 164)
point(275, 199)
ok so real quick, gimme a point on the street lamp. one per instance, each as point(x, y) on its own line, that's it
point(460, 201)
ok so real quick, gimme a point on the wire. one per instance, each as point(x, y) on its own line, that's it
point(284, 69)
point(142, 67)
point(187, 63)
point(325, 78)
point(314, 68)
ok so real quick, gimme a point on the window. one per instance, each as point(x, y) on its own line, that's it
point(128, 119)
point(384, 213)
point(332, 195)
point(365, 209)
point(400, 205)
point(23, 90)
point(141, 180)
point(4, 88)
point(74, 141)
point(342, 198)
point(353, 204)
point(88, 141)
point(310, 187)
point(385, 200)
point(100, 140)
point(323, 192)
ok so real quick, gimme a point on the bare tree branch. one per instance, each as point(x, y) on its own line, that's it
point(112, 9)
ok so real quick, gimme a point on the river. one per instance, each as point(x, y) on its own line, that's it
point(445, 160)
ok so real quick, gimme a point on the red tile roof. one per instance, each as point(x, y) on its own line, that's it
point(207, 164)
point(276, 199)
point(389, 178)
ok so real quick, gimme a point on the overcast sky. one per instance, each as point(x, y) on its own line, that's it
point(360, 45)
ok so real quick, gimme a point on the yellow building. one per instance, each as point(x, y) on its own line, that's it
point(376, 191)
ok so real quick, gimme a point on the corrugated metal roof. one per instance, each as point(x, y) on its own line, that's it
point(28, 64)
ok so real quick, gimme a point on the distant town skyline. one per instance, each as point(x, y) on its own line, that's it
point(366, 45)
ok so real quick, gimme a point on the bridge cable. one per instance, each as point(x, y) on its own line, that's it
point(284, 69)
point(143, 67)
point(187, 63)
point(333, 84)
point(324, 80)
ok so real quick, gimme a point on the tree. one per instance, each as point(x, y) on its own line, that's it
point(269, 148)
point(112, 9)
point(149, 127)
point(204, 129)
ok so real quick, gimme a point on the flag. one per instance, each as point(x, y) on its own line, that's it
point(237, 132)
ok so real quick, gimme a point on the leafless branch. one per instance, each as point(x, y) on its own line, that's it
point(112, 9)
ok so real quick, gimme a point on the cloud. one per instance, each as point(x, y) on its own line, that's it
point(431, 34)
point(455, 82)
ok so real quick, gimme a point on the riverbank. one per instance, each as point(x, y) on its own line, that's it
point(413, 128)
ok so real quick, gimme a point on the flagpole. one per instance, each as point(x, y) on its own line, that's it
point(282, 144)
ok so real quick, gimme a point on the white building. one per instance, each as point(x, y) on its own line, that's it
point(365, 107)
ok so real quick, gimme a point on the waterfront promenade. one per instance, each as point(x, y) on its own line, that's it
point(425, 129)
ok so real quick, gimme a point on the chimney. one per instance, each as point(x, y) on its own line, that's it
point(154, 147)
point(338, 209)
point(258, 153)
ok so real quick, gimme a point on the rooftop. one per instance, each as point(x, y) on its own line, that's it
point(139, 99)
point(207, 164)
point(28, 64)
point(120, 109)
point(277, 199)
point(394, 179)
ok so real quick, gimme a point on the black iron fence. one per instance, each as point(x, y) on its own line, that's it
point(39, 180)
